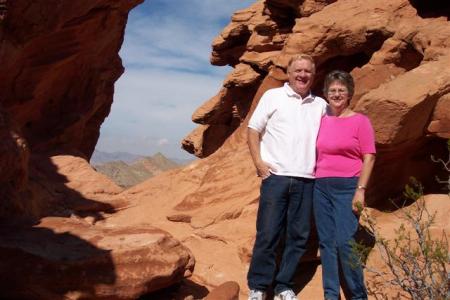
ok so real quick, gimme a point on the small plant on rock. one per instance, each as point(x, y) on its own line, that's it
point(416, 261)
point(446, 165)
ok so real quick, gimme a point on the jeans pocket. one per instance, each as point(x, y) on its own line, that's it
point(266, 178)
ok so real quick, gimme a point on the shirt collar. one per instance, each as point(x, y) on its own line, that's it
point(291, 93)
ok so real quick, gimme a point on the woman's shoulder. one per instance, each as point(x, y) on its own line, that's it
point(361, 117)
point(363, 122)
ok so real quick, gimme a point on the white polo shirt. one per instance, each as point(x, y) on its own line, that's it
point(289, 125)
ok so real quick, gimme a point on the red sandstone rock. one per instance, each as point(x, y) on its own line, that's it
point(388, 223)
point(398, 60)
point(222, 114)
point(260, 60)
point(398, 56)
point(14, 155)
point(65, 258)
point(388, 48)
point(59, 63)
point(58, 73)
point(226, 291)
point(73, 256)
point(63, 185)
point(242, 75)
point(440, 125)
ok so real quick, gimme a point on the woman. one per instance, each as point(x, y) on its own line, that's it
point(345, 158)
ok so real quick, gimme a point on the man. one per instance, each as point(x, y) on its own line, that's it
point(282, 136)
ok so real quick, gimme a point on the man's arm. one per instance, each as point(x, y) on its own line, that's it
point(253, 139)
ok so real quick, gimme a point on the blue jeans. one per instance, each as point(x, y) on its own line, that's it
point(336, 226)
point(285, 206)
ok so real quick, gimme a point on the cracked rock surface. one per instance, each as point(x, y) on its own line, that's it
point(56, 89)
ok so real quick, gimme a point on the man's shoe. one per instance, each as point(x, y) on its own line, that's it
point(285, 295)
point(256, 295)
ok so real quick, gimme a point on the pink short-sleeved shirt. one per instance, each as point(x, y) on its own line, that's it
point(341, 144)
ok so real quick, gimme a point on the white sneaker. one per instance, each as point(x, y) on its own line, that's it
point(256, 295)
point(285, 295)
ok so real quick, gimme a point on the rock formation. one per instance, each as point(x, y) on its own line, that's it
point(59, 64)
point(389, 47)
point(63, 258)
point(73, 255)
point(397, 52)
point(227, 291)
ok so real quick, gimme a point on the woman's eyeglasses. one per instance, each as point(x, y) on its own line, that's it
point(339, 91)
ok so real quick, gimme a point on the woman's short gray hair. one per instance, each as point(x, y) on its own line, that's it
point(341, 76)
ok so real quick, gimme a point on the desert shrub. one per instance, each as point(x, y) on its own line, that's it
point(416, 262)
point(446, 166)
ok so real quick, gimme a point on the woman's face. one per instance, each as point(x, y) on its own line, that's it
point(338, 96)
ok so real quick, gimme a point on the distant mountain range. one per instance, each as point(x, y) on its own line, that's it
point(127, 169)
point(100, 157)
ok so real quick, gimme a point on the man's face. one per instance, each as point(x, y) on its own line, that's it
point(301, 75)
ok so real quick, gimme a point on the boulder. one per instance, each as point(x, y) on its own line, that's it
point(226, 291)
point(67, 258)
point(56, 89)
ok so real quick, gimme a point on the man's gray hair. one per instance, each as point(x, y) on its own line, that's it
point(301, 56)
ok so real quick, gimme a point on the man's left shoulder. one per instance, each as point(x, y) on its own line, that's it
point(319, 101)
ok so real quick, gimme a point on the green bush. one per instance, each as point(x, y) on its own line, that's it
point(416, 261)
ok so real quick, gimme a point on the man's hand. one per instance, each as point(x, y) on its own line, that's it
point(263, 169)
point(358, 202)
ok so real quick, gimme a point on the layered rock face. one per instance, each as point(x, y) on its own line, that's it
point(397, 52)
point(72, 254)
point(68, 259)
point(59, 63)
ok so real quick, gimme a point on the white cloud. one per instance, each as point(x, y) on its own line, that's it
point(167, 74)
point(147, 95)
point(149, 106)
point(179, 37)
point(163, 142)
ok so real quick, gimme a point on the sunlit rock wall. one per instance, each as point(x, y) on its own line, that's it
point(59, 62)
point(397, 51)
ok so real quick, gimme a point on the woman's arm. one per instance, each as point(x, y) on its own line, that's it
point(359, 198)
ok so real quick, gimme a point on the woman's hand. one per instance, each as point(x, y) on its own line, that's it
point(358, 202)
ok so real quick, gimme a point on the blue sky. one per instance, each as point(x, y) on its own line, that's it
point(167, 74)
